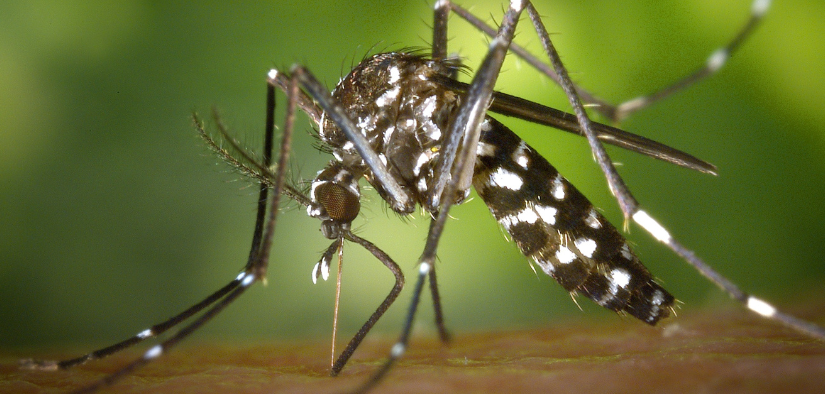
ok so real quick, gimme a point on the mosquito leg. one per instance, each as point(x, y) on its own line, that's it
point(618, 112)
point(715, 61)
point(441, 11)
point(401, 346)
point(536, 113)
point(630, 206)
point(439, 313)
point(614, 181)
point(157, 329)
point(163, 347)
point(467, 127)
point(396, 289)
point(162, 327)
point(269, 136)
point(523, 53)
point(256, 266)
point(261, 262)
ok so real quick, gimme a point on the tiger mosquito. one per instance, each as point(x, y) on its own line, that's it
point(420, 137)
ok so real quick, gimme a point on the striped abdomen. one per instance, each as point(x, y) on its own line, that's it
point(556, 226)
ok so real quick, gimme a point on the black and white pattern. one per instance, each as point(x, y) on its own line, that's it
point(421, 138)
point(560, 230)
point(403, 112)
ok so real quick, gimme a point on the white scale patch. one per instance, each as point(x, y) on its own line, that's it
point(506, 179)
point(395, 75)
point(761, 307)
point(508, 221)
point(315, 273)
point(547, 214)
point(422, 185)
point(423, 158)
point(313, 212)
point(388, 97)
point(342, 176)
point(625, 250)
point(652, 226)
point(388, 134)
point(485, 125)
point(657, 300)
point(366, 124)
point(433, 132)
point(547, 268)
point(248, 280)
point(154, 352)
point(315, 185)
point(321, 132)
point(321, 269)
point(485, 150)
point(717, 59)
point(592, 219)
point(429, 106)
point(565, 255)
point(586, 245)
point(526, 215)
point(620, 277)
point(557, 188)
point(520, 155)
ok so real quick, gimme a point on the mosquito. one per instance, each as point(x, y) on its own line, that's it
point(422, 139)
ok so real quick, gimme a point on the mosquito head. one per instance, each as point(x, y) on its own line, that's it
point(336, 199)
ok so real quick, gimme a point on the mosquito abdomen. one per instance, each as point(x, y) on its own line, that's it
point(560, 230)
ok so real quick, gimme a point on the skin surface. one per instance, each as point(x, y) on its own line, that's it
point(702, 351)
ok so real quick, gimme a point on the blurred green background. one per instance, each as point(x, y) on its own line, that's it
point(114, 215)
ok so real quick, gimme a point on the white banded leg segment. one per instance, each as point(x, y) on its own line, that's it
point(424, 268)
point(652, 226)
point(248, 279)
point(761, 307)
point(717, 59)
point(153, 352)
point(760, 7)
point(398, 350)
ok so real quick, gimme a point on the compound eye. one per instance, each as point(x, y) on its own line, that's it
point(340, 203)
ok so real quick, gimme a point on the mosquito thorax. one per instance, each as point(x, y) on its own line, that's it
point(404, 115)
